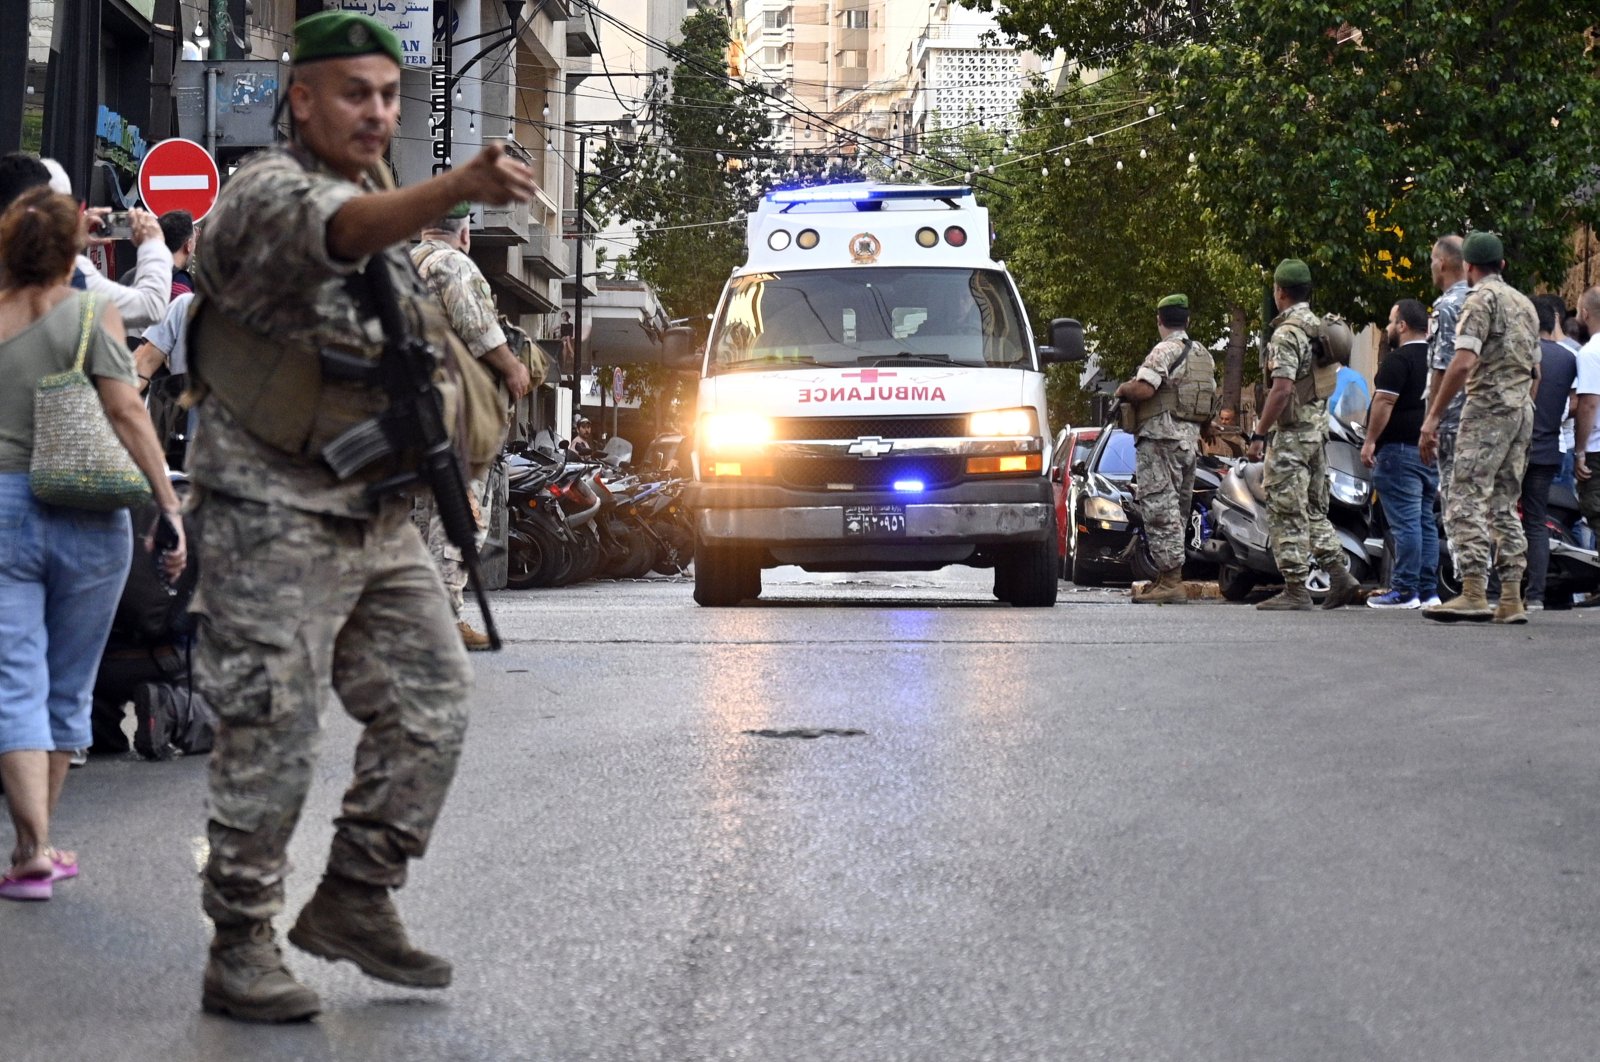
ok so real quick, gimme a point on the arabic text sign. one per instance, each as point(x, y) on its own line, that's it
point(411, 20)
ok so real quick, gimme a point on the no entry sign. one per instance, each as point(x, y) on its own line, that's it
point(177, 174)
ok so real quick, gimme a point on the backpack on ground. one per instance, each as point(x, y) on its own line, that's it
point(171, 720)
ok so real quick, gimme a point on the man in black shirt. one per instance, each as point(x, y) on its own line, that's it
point(1558, 372)
point(1407, 486)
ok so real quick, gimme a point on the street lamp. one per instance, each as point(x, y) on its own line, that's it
point(453, 76)
point(581, 203)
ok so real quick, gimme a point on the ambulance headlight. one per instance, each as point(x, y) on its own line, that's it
point(927, 237)
point(779, 240)
point(955, 236)
point(1003, 422)
point(735, 431)
point(807, 239)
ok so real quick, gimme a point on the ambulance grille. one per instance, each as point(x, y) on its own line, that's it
point(820, 428)
point(819, 473)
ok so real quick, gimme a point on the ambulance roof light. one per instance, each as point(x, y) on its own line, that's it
point(863, 192)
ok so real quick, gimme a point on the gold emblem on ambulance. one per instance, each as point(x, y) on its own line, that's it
point(864, 248)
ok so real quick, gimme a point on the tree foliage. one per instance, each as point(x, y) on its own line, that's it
point(1103, 242)
point(1352, 137)
point(691, 179)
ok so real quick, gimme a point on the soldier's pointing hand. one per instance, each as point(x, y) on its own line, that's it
point(496, 178)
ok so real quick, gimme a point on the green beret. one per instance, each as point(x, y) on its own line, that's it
point(460, 210)
point(1291, 272)
point(343, 35)
point(1180, 301)
point(1483, 248)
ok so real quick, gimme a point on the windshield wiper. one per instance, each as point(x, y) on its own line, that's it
point(904, 356)
point(769, 359)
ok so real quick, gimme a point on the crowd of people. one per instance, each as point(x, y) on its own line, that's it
point(1478, 409)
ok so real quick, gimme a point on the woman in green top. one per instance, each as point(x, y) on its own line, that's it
point(61, 570)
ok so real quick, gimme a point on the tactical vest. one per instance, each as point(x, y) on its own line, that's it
point(1319, 376)
point(1189, 392)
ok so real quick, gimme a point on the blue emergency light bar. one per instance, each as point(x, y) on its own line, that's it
point(909, 486)
point(864, 193)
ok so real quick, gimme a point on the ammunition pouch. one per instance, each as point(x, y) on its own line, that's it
point(293, 399)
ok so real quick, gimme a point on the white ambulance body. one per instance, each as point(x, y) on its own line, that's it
point(871, 399)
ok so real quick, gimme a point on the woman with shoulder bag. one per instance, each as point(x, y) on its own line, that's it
point(61, 567)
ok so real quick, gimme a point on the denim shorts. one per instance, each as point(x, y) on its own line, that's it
point(61, 574)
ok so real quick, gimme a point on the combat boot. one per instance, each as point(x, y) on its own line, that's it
point(475, 641)
point(352, 920)
point(246, 978)
point(1470, 604)
point(1167, 590)
point(1342, 588)
point(1295, 598)
point(1510, 609)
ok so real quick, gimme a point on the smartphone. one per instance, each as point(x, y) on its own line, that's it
point(117, 225)
point(165, 539)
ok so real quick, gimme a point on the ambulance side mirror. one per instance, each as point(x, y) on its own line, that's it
point(678, 349)
point(1066, 342)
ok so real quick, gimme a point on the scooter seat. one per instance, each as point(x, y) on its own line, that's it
point(1254, 474)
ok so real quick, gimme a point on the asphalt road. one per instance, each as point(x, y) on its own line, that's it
point(1100, 831)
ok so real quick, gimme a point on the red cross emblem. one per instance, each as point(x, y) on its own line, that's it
point(869, 376)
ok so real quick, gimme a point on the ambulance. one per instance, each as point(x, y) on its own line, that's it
point(871, 399)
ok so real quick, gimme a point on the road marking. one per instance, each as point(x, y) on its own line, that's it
point(180, 182)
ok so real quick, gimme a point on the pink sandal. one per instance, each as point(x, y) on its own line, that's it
point(63, 865)
point(36, 888)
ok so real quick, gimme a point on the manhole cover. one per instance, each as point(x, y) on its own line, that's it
point(808, 732)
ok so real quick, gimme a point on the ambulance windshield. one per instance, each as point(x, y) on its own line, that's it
point(882, 315)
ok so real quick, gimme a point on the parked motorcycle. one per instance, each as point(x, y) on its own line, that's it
point(1240, 545)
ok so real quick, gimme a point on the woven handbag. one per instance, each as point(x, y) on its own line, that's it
point(78, 461)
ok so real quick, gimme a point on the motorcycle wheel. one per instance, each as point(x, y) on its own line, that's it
point(586, 557)
point(1142, 563)
point(680, 549)
point(558, 560)
point(641, 552)
point(525, 556)
point(1235, 582)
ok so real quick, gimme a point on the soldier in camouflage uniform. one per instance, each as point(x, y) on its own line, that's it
point(1167, 448)
point(455, 280)
point(1497, 359)
point(1450, 277)
point(1297, 469)
point(309, 584)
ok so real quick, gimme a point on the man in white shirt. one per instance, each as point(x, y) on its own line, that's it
point(1586, 452)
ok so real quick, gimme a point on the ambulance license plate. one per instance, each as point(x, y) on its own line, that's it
point(877, 520)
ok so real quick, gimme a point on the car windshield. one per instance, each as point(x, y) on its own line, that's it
point(1082, 448)
point(1117, 460)
point(886, 315)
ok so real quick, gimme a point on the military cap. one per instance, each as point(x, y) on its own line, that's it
point(1483, 248)
point(343, 35)
point(1180, 301)
point(1291, 272)
point(462, 209)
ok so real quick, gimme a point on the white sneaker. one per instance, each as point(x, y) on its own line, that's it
point(1533, 606)
point(1432, 602)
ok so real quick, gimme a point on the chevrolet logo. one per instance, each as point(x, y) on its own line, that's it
point(871, 446)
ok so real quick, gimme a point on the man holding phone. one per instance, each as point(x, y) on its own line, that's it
point(144, 302)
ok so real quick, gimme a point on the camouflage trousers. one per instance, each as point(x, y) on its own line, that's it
point(1447, 464)
point(1165, 476)
point(294, 604)
point(1491, 457)
point(1297, 505)
point(447, 557)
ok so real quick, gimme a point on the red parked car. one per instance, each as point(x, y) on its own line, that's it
point(1072, 446)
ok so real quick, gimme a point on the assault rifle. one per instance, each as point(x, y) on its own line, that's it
point(415, 419)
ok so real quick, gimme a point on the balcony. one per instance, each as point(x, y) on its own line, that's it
point(544, 254)
point(582, 37)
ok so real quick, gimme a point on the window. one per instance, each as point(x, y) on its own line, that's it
point(853, 57)
point(775, 20)
point(856, 316)
point(855, 20)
